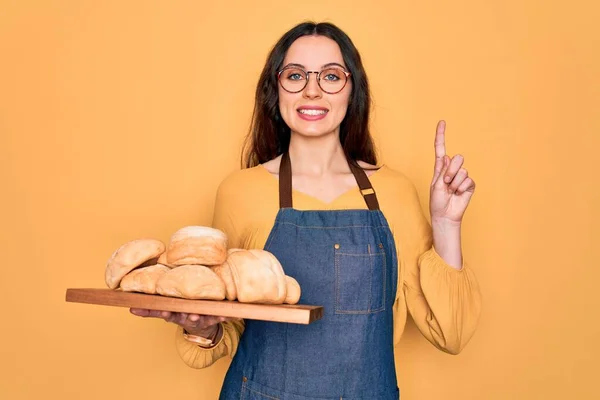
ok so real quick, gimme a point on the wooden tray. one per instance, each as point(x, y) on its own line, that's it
point(291, 313)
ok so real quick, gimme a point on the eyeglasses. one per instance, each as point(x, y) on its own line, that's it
point(331, 80)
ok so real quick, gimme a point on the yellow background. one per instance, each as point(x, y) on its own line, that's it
point(118, 119)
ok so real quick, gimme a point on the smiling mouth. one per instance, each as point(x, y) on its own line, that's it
point(306, 111)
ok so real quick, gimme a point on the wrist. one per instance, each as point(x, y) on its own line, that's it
point(447, 242)
point(204, 332)
point(206, 338)
point(445, 224)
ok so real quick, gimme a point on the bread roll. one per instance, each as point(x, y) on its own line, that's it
point(223, 271)
point(143, 279)
point(191, 282)
point(258, 276)
point(152, 261)
point(130, 256)
point(163, 260)
point(292, 290)
point(197, 245)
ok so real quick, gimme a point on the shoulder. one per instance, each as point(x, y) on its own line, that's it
point(401, 204)
point(244, 179)
point(246, 188)
point(272, 166)
point(390, 184)
point(390, 179)
point(385, 174)
point(397, 195)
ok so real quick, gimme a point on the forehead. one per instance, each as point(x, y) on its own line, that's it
point(313, 52)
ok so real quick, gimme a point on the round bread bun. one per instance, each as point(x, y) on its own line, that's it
point(223, 271)
point(197, 245)
point(293, 290)
point(272, 262)
point(143, 279)
point(130, 256)
point(191, 282)
point(258, 277)
point(163, 260)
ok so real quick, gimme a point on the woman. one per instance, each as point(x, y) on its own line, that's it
point(352, 234)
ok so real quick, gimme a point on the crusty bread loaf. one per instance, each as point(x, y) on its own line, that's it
point(293, 290)
point(143, 279)
point(191, 282)
point(152, 261)
point(223, 271)
point(163, 260)
point(197, 245)
point(269, 260)
point(258, 276)
point(130, 256)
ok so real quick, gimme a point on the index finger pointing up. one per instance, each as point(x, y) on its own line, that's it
point(440, 140)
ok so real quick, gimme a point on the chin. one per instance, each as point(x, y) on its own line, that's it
point(314, 129)
point(313, 133)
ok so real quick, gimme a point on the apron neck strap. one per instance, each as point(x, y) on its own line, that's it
point(285, 184)
point(366, 189)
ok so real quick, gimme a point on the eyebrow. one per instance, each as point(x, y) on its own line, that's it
point(323, 66)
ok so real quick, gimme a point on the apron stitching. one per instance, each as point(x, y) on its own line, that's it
point(272, 234)
point(337, 281)
point(333, 227)
point(262, 394)
point(384, 281)
point(371, 264)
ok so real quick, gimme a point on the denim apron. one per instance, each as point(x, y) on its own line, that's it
point(345, 261)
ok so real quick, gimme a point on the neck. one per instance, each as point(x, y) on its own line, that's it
point(317, 156)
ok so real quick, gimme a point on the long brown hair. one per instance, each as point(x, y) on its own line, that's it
point(269, 135)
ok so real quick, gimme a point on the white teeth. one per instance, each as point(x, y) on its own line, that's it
point(312, 112)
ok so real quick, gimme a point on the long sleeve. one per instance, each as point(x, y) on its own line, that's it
point(444, 302)
point(224, 218)
point(198, 357)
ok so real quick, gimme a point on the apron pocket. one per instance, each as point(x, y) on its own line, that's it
point(359, 278)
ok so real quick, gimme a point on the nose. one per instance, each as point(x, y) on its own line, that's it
point(312, 89)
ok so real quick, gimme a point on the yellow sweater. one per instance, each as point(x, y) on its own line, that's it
point(445, 303)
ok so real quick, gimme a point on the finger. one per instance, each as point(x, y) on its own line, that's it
point(212, 320)
point(180, 318)
point(467, 186)
point(455, 165)
point(142, 312)
point(440, 140)
point(165, 314)
point(439, 182)
point(459, 178)
point(174, 317)
point(192, 320)
point(437, 169)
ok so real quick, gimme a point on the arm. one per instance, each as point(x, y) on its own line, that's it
point(442, 296)
point(198, 357)
point(441, 292)
point(230, 331)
